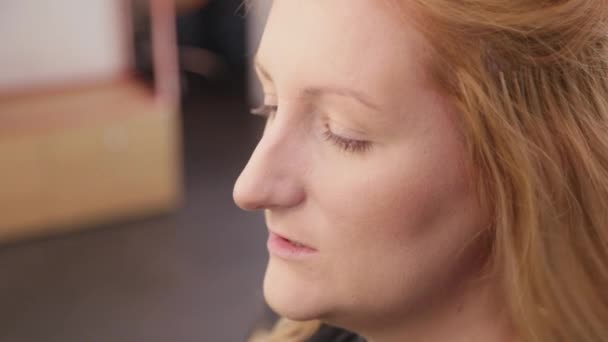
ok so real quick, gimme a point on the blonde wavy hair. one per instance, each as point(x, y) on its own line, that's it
point(530, 78)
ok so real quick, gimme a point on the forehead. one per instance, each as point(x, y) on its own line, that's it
point(360, 43)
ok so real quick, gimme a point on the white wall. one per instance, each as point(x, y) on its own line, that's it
point(49, 42)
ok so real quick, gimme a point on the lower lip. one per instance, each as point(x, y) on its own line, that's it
point(283, 248)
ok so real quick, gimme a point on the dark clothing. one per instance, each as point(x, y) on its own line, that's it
point(332, 334)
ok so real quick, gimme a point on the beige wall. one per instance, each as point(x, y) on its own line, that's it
point(46, 42)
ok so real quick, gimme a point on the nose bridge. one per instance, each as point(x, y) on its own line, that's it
point(275, 151)
point(271, 177)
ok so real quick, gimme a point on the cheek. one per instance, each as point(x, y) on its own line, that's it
point(394, 197)
point(403, 224)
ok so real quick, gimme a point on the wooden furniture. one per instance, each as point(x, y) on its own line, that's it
point(76, 155)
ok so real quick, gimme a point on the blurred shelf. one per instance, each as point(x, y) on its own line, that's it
point(73, 157)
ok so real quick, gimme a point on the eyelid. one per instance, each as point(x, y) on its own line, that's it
point(346, 144)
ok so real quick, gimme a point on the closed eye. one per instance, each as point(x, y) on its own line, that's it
point(346, 144)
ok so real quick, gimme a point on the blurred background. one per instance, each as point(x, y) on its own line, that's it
point(123, 126)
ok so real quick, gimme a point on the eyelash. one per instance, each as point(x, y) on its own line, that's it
point(347, 145)
point(264, 110)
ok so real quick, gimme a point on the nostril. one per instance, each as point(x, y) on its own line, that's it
point(247, 204)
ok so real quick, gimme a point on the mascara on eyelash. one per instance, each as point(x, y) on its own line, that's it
point(347, 145)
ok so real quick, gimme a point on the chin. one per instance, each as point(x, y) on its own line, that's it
point(293, 295)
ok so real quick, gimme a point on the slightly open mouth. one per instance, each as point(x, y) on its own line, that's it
point(288, 248)
point(296, 244)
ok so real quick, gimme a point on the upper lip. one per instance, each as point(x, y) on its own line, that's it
point(291, 239)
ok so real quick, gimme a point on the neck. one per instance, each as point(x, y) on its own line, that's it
point(472, 313)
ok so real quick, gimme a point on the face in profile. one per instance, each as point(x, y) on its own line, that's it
point(361, 171)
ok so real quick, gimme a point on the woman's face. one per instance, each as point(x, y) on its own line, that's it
point(362, 162)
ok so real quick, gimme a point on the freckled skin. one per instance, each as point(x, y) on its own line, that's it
point(391, 224)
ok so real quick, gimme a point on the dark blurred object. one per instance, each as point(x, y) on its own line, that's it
point(211, 38)
point(185, 6)
point(142, 41)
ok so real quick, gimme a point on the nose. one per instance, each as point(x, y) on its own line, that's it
point(272, 177)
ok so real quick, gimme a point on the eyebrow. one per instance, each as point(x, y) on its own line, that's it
point(317, 91)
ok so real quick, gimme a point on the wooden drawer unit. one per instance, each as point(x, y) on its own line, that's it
point(70, 158)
